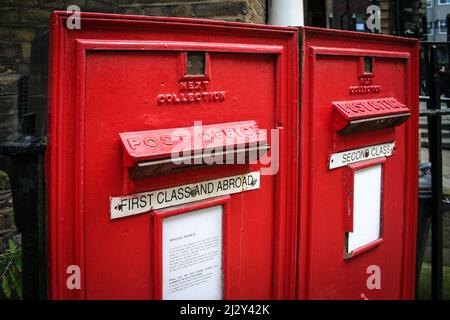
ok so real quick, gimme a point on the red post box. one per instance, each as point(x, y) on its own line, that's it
point(162, 167)
point(358, 171)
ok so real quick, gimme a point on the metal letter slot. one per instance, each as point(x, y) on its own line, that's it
point(367, 115)
point(157, 152)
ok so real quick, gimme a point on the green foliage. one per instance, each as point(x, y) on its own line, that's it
point(424, 290)
point(4, 181)
point(11, 271)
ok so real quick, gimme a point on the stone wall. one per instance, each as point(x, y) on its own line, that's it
point(410, 15)
point(358, 7)
point(21, 20)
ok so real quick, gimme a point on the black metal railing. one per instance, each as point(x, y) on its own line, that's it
point(433, 74)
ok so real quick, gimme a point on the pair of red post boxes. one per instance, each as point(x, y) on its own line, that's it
point(192, 159)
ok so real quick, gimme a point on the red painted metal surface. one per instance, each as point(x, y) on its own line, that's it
point(332, 71)
point(362, 109)
point(159, 144)
point(370, 114)
point(121, 73)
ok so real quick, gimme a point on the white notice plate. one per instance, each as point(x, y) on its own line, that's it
point(192, 255)
point(124, 206)
point(344, 158)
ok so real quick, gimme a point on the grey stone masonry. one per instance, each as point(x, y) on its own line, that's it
point(22, 20)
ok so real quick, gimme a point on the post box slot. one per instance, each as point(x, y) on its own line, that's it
point(244, 155)
point(157, 152)
point(376, 123)
point(367, 115)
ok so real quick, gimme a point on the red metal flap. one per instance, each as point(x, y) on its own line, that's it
point(160, 144)
point(362, 109)
point(370, 114)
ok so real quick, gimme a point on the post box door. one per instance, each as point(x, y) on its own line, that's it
point(136, 80)
point(359, 151)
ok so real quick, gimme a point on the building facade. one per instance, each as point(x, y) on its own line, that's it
point(437, 11)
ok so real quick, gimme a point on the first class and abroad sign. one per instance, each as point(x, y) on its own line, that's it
point(127, 205)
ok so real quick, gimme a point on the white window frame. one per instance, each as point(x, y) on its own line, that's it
point(430, 31)
point(441, 32)
point(441, 3)
point(430, 3)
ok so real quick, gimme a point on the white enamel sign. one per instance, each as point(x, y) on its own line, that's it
point(344, 158)
point(192, 255)
point(128, 205)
